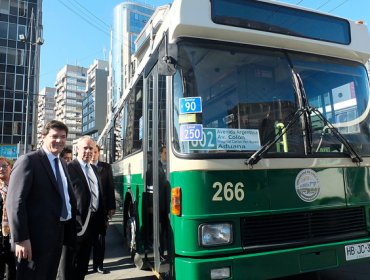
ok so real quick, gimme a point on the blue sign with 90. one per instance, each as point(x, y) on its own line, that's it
point(190, 105)
point(191, 132)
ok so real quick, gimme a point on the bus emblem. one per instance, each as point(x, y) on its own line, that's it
point(307, 185)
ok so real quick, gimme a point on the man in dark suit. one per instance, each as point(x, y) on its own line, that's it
point(41, 206)
point(105, 172)
point(91, 214)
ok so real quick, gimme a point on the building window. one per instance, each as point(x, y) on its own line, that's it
point(12, 34)
point(20, 57)
point(3, 29)
point(4, 7)
point(11, 56)
point(3, 55)
point(22, 11)
point(18, 106)
point(14, 7)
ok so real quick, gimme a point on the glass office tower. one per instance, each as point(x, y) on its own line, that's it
point(129, 19)
point(20, 40)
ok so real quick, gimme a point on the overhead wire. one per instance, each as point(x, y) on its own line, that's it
point(106, 32)
point(323, 4)
point(86, 15)
point(91, 14)
point(341, 4)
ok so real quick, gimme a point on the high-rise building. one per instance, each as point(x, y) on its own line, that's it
point(94, 111)
point(20, 40)
point(45, 112)
point(128, 21)
point(70, 91)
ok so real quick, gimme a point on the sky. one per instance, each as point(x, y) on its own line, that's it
point(77, 31)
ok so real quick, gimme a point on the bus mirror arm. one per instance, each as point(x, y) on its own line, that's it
point(167, 54)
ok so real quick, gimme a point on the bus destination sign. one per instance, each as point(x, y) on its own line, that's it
point(227, 139)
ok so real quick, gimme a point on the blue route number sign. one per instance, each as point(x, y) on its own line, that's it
point(190, 105)
point(191, 132)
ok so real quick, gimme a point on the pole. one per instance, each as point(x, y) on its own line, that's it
point(29, 40)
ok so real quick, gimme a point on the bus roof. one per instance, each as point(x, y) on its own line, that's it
point(192, 18)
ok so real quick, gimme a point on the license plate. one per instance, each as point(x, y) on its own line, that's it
point(357, 251)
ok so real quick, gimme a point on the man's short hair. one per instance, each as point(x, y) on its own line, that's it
point(162, 148)
point(54, 124)
point(66, 150)
point(79, 140)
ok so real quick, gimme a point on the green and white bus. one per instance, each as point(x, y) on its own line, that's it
point(264, 110)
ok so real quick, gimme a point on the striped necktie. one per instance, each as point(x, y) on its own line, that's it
point(93, 185)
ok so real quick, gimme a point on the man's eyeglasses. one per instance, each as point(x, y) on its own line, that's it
point(4, 166)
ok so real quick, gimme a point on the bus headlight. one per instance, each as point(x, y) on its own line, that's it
point(215, 234)
point(220, 273)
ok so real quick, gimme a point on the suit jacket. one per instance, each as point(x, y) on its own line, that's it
point(82, 193)
point(34, 204)
point(106, 176)
point(164, 187)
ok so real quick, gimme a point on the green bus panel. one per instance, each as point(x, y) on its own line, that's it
point(357, 182)
point(261, 266)
point(265, 192)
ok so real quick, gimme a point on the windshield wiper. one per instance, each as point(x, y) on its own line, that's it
point(356, 158)
point(257, 156)
point(301, 112)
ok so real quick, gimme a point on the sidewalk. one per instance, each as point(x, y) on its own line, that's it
point(117, 259)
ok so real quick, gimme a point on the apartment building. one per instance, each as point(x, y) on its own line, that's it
point(94, 109)
point(70, 91)
point(45, 111)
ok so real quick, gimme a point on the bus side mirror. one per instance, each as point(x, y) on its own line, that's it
point(167, 58)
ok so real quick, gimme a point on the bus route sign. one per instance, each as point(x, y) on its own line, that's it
point(191, 132)
point(190, 105)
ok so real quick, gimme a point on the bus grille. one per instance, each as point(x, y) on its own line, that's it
point(262, 233)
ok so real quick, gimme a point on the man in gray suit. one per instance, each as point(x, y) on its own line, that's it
point(41, 206)
point(91, 215)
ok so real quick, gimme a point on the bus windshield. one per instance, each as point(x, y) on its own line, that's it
point(232, 99)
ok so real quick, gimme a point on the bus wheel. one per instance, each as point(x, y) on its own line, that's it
point(130, 232)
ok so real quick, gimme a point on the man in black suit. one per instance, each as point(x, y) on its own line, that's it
point(105, 172)
point(41, 206)
point(91, 214)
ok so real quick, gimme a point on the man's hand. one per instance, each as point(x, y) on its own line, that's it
point(23, 250)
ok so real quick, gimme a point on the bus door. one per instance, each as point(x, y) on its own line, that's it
point(156, 180)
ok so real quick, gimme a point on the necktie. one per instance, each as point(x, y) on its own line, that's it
point(93, 184)
point(64, 213)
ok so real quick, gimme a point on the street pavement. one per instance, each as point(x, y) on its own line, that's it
point(117, 259)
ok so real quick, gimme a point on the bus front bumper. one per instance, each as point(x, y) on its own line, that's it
point(275, 263)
